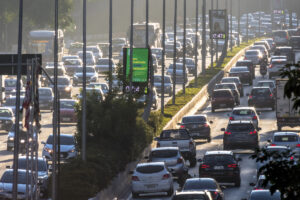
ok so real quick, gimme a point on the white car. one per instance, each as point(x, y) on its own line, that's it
point(245, 113)
point(151, 177)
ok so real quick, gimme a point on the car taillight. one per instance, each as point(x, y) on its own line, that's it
point(182, 126)
point(292, 157)
point(158, 144)
point(287, 37)
point(227, 133)
point(166, 176)
point(270, 66)
point(273, 145)
point(135, 178)
point(179, 160)
point(191, 143)
point(271, 95)
point(205, 125)
point(215, 194)
point(232, 165)
point(298, 145)
point(253, 132)
point(254, 117)
point(205, 166)
point(231, 118)
point(250, 97)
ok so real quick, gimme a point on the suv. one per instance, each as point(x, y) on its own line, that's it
point(247, 63)
point(267, 83)
point(261, 97)
point(232, 87)
point(222, 98)
point(235, 80)
point(223, 166)
point(288, 139)
point(281, 37)
point(179, 138)
point(241, 134)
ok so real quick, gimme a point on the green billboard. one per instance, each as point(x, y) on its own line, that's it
point(140, 65)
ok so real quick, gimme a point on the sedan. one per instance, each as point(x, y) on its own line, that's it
point(245, 113)
point(151, 177)
point(102, 65)
point(46, 98)
point(261, 97)
point(6, 118)
point(235, 80)
point(202, 184)
point(289, 139)
point(254, 55)
point(72, 65)
point(91, 76)
point(67, 111)
point(243, 73)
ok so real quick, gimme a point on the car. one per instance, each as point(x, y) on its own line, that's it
point(91, 76)
point(223, 166)
point(254, 55)
point(240, 134)
point(275, 66)
point(102, 86)
point(261, 97)
point(268, 83)
point(102, 65)
point(295, 42)
point(11, 103)
point(118, 44)
point(200, 195)
point(46, 98)
point(281, 37)
point(271, 44)
point(204, 184)
point(143, 99)
point(264, 194)
point(262, 49)
point(277, 57)
point(67, 57)
point(168, 85)
point(72, 65)
point(67, 113)
point(158, 53)
point(104, 47)
point(179, 138)
point(235, 80)
point(96, 51)
point(6, 118)
point(245, 113)
point(91, 91)
point(155, 64)
point(285, 51)
point(198, 126)
point(64, 86)
point(179, 73)
point(90, 58)
point(232, 87)
point(10, 84)
point(151, 177)
point(247, 63)
point(42, 170)
point(67, 147)
point(222, 98)
point(49, 69)
point(172, 158)
point(6, 184)
point(289, 139)
point(266, 44)
point(190, 64)
point(259, 183)
point(243, 73)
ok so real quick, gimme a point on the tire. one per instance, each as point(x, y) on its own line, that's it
point(135, 195)
point(279, 128)
point(237, 183)
point(212, 109)
point(193, 162)
point(170, 192)
point(209, 139)
point(9, 148)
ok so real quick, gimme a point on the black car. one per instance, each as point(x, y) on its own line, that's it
point(6, 118)
point(240, 134)
point(222, 98)
point(223, 166)
point(243, 73)
point(202, 184)
point(198, 126)
point(261, 97)
point(233, 88)
point(249, 64)
point(46, 98)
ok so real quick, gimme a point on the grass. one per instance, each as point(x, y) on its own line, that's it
point(182, 99)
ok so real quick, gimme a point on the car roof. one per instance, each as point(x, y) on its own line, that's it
point(190, 192)
point(202, 115)
point(200, 179)
point(285, 133)
point(266, 81)
point(217, 90)
point(240, 122)
point(244, 61)
point(244, 108)
point(151, 164)
point(218, 153)
point(262, 87)
point(65, 135)
point(277, 147)
point(164, 148)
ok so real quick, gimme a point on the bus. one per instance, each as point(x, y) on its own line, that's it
point(139, 35)
point(42, 42)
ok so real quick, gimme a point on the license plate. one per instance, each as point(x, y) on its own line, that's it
point(66, 119)
point(218, 167)
point(151, 186)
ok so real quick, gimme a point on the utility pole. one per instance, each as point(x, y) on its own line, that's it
point(203, 49)
point(259, 17)
point(231, 26)
point(84, 85)
point(174, 53)
point(239, 21)
point(110, 45)
point(184, 45)
point(247, 27)
point(196, 47)
point(163, 59)
point(17, 131)
point(211, 40)
point(131, 46)
point(217, 41)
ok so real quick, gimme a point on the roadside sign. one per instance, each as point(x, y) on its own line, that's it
point(140, 70)
point(218, 23)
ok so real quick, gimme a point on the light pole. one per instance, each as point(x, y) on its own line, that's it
point(174, 52)
point(217, 41)
point(163, 59)
point(211, 40)
point(203, 49)
point(110, 45)
point(184, 45)
point(231, 26)
point(196, 46)
point(239, 21)
point(84, 84)
point(131, 46)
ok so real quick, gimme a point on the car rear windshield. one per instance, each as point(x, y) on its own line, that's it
point(265, 84)
point(221, 94)
point(157, 79)
point(67, 104)
point(280, 34)
point(240, 127)
point(252, 53)
point(45, 92)
point(63, 81)
point(178, 66)
point(197, 119)
point(11, 83)
point(149, 169)
point(260, 92)
point(218, 159)
point(196, 185)
point(239, 69)
point(225, 86)
point(243, 63)
point(230, 80)
point(190, 197)
point(286, 138)
point(103, 62)
point(242, 112)
point(175, 134)
point(72, 62)
point(164, 153)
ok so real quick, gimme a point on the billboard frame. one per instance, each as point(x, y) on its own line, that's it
point(222, 19)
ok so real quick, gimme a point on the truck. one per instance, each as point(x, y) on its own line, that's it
point(285, 114)
point(296, 56)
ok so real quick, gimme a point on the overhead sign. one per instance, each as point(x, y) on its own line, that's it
point(140, 70)
point(279, 12)
point(9, 63)
point(218, 23)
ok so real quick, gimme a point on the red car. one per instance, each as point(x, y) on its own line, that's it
point(67, 111)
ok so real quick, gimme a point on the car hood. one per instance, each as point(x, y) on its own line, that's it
point(8, 187)
point(63, 148)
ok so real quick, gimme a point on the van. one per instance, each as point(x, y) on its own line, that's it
point(281, 37)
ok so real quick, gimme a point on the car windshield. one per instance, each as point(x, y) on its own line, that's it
point(45, 92)
point(190, 197)
point(10, 83)
point(280, 34)
point(149, 169)
point(230, 80)
point(12, 101)
point(175, 134)
point(5, 113)
point(67, 104)
point(7, 177)
point(64, 140)
point(42, 165)
point(260, 92)
point(199, 185)
point(239, 69)
point(194, 119)
point(103, 62)
point(286, 138)
point(242, 112)
point(88, 70)
point(225, 86)
point(240, 127)
point(178, 66)
point(164, 153)
point(218, 159)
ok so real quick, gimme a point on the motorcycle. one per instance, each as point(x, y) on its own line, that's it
point(263, 67)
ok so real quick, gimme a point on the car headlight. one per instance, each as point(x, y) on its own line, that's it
point(48, 150)
point(22, 141)
point(10, 138)
point(67, 89)
point(72, 151)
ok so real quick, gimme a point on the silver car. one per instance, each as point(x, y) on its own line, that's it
point(245, 113)
point(289, 139)
point(172, 158)
point(151, 177)
point(254, 55)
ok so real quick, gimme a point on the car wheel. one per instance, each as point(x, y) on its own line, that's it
point(135, 195)
point(238, 183)
point(193, 162)
point(209, 139)
point(9, 148)
point(212, 109)
point(170, 192)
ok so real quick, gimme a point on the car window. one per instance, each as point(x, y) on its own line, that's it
point(175, 134)
point(224, 86)
point(149, 169)
point(242, 112)
point(252, 53)
point(63, 81)
point(197, 185)
point(190, 197)
point(103, 62)
point(286, 138)
point(239, 69)
point(265, 84)
point(164, 153)
point(218, 159)
point(63, 140)
point(11, 83)
point(5, 113)
point(240, 127)
point(280, 34)
point(197, 119)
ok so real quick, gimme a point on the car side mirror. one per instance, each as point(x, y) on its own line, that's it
point(252, 184)
point(130, 172)
point(211, 122)
point(222, 129)
point(43, 142)
point(259, 128)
